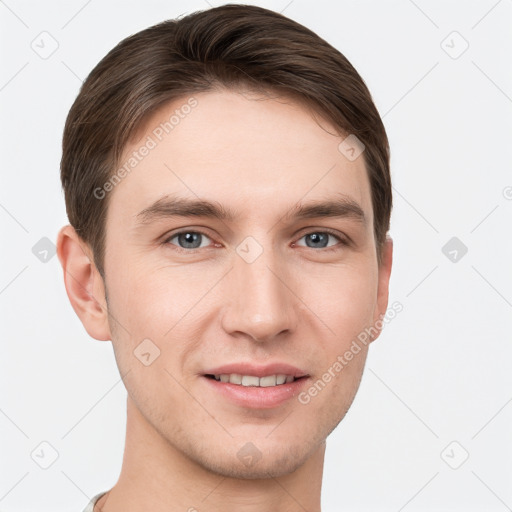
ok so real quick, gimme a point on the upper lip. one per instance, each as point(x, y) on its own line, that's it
point(257, 370)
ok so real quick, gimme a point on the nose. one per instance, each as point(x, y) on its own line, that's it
point(261, 302)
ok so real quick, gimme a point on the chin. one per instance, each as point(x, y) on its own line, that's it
point(261, 470)
point(261, 459)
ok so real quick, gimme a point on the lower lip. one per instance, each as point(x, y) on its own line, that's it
point(258, 397)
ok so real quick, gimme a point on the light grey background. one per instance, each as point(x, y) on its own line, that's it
point(437, 385)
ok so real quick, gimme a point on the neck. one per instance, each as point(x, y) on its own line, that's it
point(156, 476)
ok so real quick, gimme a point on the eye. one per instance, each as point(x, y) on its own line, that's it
point(188, 239)
point(320, 239)
point(192, 240)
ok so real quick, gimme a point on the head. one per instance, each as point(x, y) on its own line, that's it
point(227, 182)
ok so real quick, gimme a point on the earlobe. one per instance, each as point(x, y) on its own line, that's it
point(383, 286)
point(84, 284)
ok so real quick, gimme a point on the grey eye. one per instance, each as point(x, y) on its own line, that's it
point(318, 239)
point(189, 239)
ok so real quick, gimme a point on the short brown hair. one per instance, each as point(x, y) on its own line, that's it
point(228, 46)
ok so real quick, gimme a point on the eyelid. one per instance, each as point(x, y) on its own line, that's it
point(169, 236)
point(342, 239)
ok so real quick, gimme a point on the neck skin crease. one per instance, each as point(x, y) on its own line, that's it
point(157, 477)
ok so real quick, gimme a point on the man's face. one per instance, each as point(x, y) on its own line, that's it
point(264, 287)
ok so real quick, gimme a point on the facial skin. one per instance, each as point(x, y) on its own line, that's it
point(207, 306)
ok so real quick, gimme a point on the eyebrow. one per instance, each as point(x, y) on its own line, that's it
point(173, 206)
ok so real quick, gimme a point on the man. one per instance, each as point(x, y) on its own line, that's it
point(227, 183)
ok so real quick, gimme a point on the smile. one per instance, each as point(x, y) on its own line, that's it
point(251, 380)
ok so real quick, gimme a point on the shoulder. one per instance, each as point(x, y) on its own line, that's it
point(90, 506)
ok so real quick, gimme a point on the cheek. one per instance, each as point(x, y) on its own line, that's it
point(344, 300)
point(348, 312)
point(160, 305)
point(145, 299)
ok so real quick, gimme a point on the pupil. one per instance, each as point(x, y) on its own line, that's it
point(189, 239)
point(318, 238)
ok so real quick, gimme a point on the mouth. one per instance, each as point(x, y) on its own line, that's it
point(254, 381)
point(252, 391)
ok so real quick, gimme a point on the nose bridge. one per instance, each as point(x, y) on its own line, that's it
point(261, 306)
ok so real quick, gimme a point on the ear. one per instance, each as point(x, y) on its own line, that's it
point(383, 285)
point(84, 284)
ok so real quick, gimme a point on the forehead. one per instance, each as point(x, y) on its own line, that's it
point(254, 154)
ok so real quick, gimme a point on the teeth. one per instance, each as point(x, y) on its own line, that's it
point(281, 379)
point(235, 378)
point(251, 380)
point(248, 380)
point(268, 381)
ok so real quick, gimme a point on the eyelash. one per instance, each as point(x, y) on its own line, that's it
point(342, 242)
